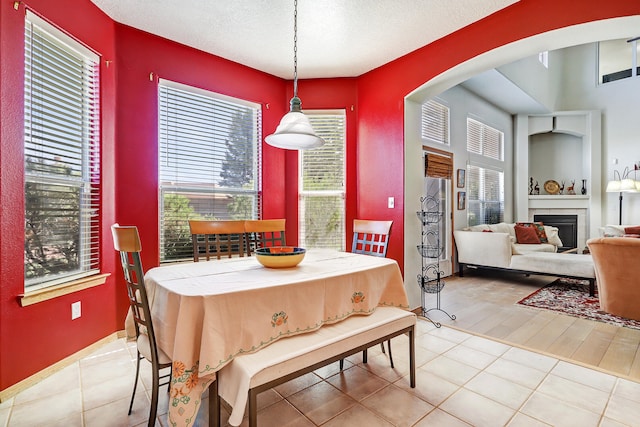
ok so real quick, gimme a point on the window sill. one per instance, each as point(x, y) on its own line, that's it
point(64, 289)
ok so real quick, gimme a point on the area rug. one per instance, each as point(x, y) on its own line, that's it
point(571, 297)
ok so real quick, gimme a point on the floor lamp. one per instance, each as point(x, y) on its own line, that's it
point(625, 185)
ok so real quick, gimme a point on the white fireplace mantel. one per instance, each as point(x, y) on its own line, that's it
point(559, 202)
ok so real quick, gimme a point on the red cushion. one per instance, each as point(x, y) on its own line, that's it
point(538, 227)
point(632, 230)
point(526, 235)
point(487, 231)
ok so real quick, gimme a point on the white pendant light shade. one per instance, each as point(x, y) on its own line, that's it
point(294, 133)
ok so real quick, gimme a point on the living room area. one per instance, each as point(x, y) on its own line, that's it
point(537, 101)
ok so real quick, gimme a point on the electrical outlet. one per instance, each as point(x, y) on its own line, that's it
point(391, 202)
point(76, 310)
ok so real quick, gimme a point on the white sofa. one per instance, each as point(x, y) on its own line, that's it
point(611, 230)
point(498, 249)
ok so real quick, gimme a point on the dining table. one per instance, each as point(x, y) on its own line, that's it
point(207, 313)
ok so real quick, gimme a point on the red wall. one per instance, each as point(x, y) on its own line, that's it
point(36, 336)
point(374, 137)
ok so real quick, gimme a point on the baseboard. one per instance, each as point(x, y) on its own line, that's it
point(11, 391)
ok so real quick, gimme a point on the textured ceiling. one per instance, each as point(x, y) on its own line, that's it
point(336, 38)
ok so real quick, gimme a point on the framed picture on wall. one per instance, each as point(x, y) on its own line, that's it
point(461, 178)
point(462, 200)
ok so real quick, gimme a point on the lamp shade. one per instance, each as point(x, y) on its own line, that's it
point(613, 186)
point(294, 133)
point(628, 185)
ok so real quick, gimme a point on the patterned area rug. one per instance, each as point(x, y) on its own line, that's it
point(571, 297)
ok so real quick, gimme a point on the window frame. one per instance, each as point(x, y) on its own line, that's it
point(213, 134)
point(435, 112)
point(479, 159)
point(619, 75)
point(67, 137)
point(304, 193)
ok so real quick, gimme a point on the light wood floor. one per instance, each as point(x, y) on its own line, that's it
point(484, 303)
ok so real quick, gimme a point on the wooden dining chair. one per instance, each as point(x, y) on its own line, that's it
point(265, 232)
point(127, 241)
point(371, 238)
point(218, 238)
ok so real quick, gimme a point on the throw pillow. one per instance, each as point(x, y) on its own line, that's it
point(552, 236)
point(526, 235)
point(632, 230)
point(539, 229)
point(487, 231)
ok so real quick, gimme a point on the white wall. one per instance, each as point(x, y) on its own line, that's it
point(565, 165)
point(462, 104)
point(619, 102)
point(541, 83)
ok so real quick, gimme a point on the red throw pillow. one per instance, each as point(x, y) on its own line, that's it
point(487, 231)
point(538, 227)
point(526, 235)
point(632, 230)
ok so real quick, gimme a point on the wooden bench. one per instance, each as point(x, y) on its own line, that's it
point(248, 375)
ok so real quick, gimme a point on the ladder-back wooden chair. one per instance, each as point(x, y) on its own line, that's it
point(265, 232)
point(218, 238)
point(371, 238)
point(127, 241)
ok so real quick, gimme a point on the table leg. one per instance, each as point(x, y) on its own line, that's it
point(214, 405)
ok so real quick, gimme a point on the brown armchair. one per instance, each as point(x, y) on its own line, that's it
point(617, 274)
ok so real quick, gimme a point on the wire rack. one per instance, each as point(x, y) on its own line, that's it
point(430, 249)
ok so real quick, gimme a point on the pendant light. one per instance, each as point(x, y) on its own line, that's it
point(294, 131)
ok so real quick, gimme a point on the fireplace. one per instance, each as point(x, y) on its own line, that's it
point(567, 228)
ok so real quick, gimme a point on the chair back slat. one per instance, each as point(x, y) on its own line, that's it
point(218, 238)
point(371, 237)
point(266, 232)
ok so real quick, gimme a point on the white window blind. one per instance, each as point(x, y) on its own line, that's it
point(322, 184)
point(62, 157)
point(435, 122)
point(209, 162)
point(485, 195)
point(484, 140)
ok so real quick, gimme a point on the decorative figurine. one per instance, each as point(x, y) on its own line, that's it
point(561, 188)
point(530, 186)
point(584, 187)
point(536, 189)
point(570, 189)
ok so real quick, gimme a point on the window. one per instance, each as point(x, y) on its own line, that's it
point(485, 195)
point(209, 162)
point(435, 122)
point(543, 58)
point(484, 140)
point(485, 178)
point(61, 157)
point(438, 177)
point(322, 185)
point(618, 59)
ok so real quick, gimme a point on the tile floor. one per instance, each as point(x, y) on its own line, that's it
point(462, 380)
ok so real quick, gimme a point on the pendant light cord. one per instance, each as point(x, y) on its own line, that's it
point(295, 48)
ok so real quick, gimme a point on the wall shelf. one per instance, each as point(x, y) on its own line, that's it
point(559, 197)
